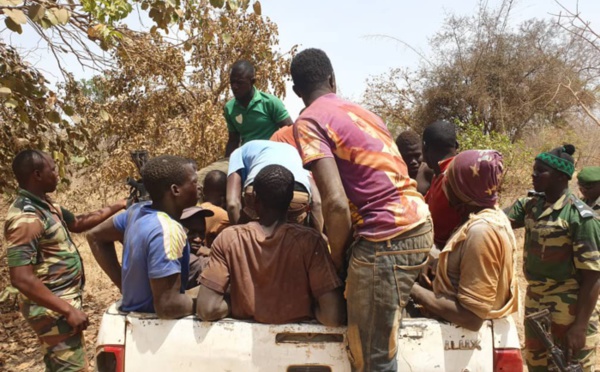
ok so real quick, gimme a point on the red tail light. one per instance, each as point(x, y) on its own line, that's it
point(508, 360)
point(110, 358)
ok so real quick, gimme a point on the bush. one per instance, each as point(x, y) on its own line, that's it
point(517, 156)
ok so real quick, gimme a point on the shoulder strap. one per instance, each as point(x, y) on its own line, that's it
point(584, 210)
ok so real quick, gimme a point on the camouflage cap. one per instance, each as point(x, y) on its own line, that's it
point(589, 174)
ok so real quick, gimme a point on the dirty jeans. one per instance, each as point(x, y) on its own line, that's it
point(380, 276)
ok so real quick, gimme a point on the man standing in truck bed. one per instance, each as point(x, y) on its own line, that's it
point(251, 114)
point(364, 186)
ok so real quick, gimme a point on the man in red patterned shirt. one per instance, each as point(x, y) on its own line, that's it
point(365, 188)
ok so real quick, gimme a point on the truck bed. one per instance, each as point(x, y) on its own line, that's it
point(190, 344)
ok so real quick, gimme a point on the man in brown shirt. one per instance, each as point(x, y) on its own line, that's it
point(277, 272)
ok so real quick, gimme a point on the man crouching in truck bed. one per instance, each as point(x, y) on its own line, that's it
point(276, 271)
point(156, 252)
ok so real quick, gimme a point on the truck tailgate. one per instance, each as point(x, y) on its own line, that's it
point(190, 344)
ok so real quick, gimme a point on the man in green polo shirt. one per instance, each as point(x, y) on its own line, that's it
point(251, 114)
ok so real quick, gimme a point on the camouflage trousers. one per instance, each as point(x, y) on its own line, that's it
point(63, 350)
point(380, 277)
point(562, 312)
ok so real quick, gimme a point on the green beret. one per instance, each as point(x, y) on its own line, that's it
point(589, 174)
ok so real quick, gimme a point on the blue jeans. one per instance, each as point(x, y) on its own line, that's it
point(380, 276)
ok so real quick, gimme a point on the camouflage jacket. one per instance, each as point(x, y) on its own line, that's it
point(595, 206)
point(37, 235)
point(560, 239)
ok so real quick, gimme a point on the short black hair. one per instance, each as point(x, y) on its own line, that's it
point(441, 134)
point(274, 186)
point(310, 68)
point(243, 66)
point(159, 173)
point(25, 163)
point(408, 138)
point(215, 180)
point(193, 163)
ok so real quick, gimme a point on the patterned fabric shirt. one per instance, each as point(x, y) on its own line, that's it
point(559, 240)
point(384, 201)
point(36, 233)
point(595, 206)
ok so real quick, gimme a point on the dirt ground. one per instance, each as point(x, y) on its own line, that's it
point(19, 348)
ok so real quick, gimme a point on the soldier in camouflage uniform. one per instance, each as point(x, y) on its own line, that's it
point(44, 263)
point(588, 181)
point(561, 261)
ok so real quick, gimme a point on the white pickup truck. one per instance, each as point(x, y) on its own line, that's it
point(141, 342)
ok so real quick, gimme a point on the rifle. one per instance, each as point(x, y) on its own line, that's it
point(137, 190)
point(540, 324)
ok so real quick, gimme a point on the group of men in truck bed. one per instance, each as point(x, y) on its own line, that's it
point(322, 218)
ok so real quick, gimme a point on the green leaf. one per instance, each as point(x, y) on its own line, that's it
point(5, 91)
point(62, 15)
point(226, 38)
point(45, 23)
point(13, 26)
point(68, 110)
point(145, 6)
point(36, 12)
point(53, 116)
point(16, 15)
point(257, 8)
point(11, 103)
point(51, 17)
point(232, 5)
point(217, 3)
point(57, 155)
point(78, 159)
point(104, 115)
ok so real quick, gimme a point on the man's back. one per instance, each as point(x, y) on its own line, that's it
point(384, 200)
point(274, 279)
point(255, 155)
